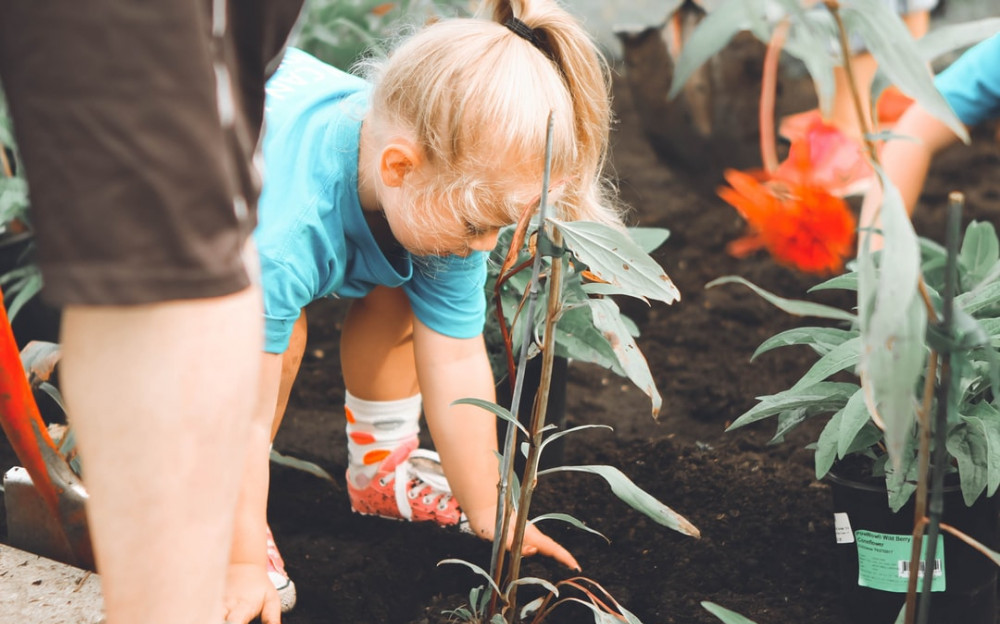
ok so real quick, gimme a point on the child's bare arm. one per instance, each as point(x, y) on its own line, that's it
point(465, 436)
point(906, 162)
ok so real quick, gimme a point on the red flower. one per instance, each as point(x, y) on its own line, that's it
point(800, 224)
point(795, 212)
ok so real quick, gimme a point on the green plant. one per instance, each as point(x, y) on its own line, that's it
point(340, 32)
point(558, 253)
point(902, 340)
point(855, 426)
point(23, 280)
point(591, 326)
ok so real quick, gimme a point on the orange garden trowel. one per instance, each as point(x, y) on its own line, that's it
point(45, 500)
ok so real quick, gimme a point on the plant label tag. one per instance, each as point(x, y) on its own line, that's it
point(884, 561)
point(842, 528)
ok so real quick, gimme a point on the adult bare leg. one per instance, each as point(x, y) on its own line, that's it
point(160, 396)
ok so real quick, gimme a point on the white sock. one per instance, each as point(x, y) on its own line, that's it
point(374, 430)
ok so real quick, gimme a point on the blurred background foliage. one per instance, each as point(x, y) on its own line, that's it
point(341, 32)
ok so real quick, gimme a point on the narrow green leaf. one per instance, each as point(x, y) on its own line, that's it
point(809, 41)
point(569, 520)
point(823, 396)
point(577, 338)
point(980, 252)
point(527, 610)
point(792, 306)
point(601, 616)
point(727, 616)
point(607, 319)
point(709, 38)
point(886, 37)
point(894, 328)
point(826, 445)
point(53, 394)
point(25, 290)
point(896, 356)
point(992, 328)
point(534, 580)
point(301, 464)
point(979, 442)
point(982, 298)
point(845, 281)
point(968, 445)
point(788, 421)
point(902, 482)
point(500, 412)
point(853, 419)
point(635, 497)
point(481, 572)
point(616, 259)
point(844, 356)
point(821, 339)
point(951, 37)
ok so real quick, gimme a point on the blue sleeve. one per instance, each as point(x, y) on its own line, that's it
point(971, 84)
point(447, 294)
point(285, 294)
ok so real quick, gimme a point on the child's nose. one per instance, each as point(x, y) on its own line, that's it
point(484, 242)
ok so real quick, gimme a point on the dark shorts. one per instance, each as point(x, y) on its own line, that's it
point(137, 122)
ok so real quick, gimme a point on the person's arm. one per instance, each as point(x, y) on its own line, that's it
point(249, 591)
point(466, 436)
point(971, 86)
point(905, 161)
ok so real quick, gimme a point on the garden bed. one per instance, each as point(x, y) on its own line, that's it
point(767, 532)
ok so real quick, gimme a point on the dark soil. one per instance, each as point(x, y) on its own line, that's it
point(767, 545)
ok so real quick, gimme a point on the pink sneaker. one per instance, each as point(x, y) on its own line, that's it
point(276, 572)
point(409, 485)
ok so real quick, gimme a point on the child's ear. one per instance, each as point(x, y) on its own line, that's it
point(399, 158)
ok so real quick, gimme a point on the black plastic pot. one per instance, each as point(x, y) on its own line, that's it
point(873, 543)
point(555, 412)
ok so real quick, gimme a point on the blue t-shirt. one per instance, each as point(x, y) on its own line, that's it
point(312, 236)
point(971, 84)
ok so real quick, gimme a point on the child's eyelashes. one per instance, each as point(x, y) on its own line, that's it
point(475, 231)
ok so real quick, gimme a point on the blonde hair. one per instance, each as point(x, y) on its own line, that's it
point(476, 97)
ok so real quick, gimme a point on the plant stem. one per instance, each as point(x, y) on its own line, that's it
point(859, 109)
point(955, 204)
point(529, 478)
point(768, 88)
point(923, 415)
point(920, 502)
point(504, 496)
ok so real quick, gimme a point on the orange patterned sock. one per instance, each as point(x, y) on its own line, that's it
point(374, 430)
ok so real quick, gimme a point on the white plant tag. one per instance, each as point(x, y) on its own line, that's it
point(842, 527)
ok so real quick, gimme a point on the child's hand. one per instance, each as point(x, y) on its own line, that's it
point(483, 524)
point(249, 593)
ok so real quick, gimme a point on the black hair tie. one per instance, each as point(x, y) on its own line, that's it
point(527, 33)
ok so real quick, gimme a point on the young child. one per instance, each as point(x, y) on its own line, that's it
point(391, 191)
point(971, 86)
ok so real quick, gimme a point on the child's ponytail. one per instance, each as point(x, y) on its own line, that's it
point(585, 73)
